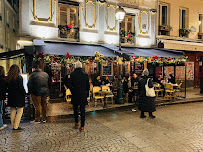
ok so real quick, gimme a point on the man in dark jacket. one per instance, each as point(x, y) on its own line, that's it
point(38, 88)
point(79, 86)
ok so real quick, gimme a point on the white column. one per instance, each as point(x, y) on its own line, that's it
point(102, 23)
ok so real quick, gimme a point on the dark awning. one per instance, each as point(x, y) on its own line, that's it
point(146, 52)
point(74, 49)
point(12, 54)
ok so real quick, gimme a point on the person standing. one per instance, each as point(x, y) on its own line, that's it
point(2, 95)
point(79, 87)
point(38, 88)
point(146, 104)
point(16, 96)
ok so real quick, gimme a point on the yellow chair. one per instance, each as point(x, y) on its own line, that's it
point(97, 96)
point(89, 99)
point(157, 89)
point(177, 89)
point(169, 91)
point(67, 95)
point(108, 93)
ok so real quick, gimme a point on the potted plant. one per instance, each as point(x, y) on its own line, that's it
point(184, 32)
point(168, 27)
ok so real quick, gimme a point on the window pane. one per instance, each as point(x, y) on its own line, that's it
point(183, 18)
point(63, 15)
point(73, 17)
point(164, 15)
point(159, 14)
point(201, 23)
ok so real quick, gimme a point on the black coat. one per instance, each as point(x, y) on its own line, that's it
point(145, 103)
point(2, 88)
point(16, 93)
point(125, 86)
point(38, 83)
point(96, 82)
point(79, 86)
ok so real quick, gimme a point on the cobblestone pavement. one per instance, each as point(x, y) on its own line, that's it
point(176, 128)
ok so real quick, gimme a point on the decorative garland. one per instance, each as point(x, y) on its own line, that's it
point(99, 58)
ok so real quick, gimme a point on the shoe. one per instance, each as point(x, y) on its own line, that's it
point(134, 110)
point(34, 122)
point(18, 129)
point(152, 116)
point(44, 121)
point(76, 125)
point(3, 127)
point(143, 116)
point(82, 129)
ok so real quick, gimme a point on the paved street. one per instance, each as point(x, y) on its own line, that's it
point(177, 128)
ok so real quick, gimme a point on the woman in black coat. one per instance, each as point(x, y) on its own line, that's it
point(146, 104)
point(16, 96)
point(2, 95)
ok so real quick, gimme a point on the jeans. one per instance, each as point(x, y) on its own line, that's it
point(1, 113)
point(82, 112)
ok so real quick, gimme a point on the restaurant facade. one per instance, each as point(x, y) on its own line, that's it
point(180, 27)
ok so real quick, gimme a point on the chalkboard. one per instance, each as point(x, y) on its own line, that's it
point(107, 70)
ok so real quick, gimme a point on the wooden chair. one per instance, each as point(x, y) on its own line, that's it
point(109, 94)
point(177, 90)
point(169, 91)
point(89, 99)
point(97, 96)
point(157, 89)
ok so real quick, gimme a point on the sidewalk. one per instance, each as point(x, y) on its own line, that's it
point(59, 108)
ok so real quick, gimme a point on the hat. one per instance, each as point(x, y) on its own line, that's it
point(145, 72)
point(78, 64)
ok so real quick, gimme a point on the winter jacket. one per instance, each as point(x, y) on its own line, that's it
point(79, 86)
point(2, 88)
point(38, 83)
point(16, 93)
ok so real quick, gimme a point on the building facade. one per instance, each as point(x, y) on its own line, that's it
point(88, 21)
point(180, 27)
point(8, 30)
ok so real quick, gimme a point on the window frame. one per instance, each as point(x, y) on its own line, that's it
point(160, 13)
point(181, 17)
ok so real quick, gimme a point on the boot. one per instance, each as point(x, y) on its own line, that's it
point(142, 115)
point(76, 125)
point(82, 129)
point(151, 115)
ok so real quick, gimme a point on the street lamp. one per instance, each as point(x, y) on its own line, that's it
point(120, 14)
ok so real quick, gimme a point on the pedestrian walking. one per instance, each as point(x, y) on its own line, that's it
point(2, 95)
point(16, 96)
point(38, 88)
point(146, 103)
point(79, 86)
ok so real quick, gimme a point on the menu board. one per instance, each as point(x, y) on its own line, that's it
point(107, 70)
point(25, 81)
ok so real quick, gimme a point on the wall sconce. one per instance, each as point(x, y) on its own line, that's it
point(153, 11)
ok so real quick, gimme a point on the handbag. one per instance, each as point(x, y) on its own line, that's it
point(149, 91)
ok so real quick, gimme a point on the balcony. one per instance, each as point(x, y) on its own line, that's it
point(127, 38)
point(68, 32)
point(165, 30)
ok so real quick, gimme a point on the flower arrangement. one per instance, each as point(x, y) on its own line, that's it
point(99, 58)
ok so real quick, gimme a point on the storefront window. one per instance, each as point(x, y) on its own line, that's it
point(68, 22)
point(128, 29)
point(200, 34)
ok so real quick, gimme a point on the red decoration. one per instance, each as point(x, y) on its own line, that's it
point(152, 59)
point(91, 60)
point(69, 25)
point(162, 59)
point(155, 57)
point(40, 55)
point(169, 58)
